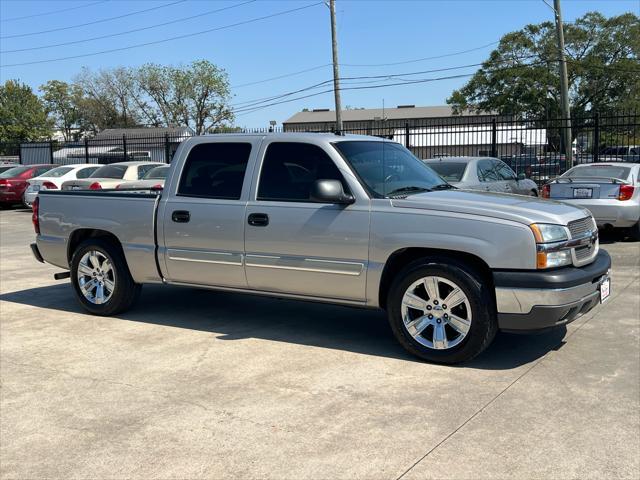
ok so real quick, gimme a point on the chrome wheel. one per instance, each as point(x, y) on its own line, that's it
point(96, 277)
point(436, 313)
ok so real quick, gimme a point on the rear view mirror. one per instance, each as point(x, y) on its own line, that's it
point(330, 191)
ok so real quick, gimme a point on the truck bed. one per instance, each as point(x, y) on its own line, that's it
point(130, 216)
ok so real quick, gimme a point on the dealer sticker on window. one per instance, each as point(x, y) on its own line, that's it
point(605, 290)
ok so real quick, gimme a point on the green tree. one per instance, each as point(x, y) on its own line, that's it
point(521, 74)
point(62, 101)
point(22, 115)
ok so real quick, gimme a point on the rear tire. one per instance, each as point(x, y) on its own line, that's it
point(471, 325)
point(101, 279)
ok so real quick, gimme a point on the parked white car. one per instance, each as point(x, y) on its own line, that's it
point(112, 175)
point(153, 179)
point(53, 179)
point(609, 190)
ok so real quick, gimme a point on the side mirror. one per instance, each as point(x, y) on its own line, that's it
point(330, 191)
point(521, 176)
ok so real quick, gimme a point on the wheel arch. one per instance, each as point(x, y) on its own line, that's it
point(403, 257)
point(80, 235)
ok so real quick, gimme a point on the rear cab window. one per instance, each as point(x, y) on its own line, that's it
point(215, 170)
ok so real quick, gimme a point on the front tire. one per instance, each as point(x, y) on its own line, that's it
point(441, 311)
point(101, 279)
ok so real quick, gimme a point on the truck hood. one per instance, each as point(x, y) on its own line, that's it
point(517, 208)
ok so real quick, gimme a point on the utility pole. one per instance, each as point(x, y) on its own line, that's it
point(564, 86)
point(336, 72)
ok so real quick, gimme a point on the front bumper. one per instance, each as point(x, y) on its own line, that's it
point(538, 300)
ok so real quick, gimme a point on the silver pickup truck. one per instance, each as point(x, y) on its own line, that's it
point(350, 220)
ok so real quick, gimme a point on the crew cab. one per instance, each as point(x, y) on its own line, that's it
point(350, 220)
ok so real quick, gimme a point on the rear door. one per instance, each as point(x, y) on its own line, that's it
point(297, 246)
point(203, 219)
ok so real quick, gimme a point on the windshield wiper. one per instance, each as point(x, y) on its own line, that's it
point(410, 189)
point(444, 186)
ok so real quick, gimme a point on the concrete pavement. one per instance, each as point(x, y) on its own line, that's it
point(199, 384)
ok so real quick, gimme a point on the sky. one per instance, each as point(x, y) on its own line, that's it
point(295, 37)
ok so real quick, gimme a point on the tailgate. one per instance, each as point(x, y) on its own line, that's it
point(588, 189)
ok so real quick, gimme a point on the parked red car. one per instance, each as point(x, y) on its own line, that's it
point(13, 182)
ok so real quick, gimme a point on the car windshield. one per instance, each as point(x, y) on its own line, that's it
point(387, 168)
point(13, 172)
point(58, 172)
point(156, 173)
point(602, 171)
point(110, 171)
point(450, 171)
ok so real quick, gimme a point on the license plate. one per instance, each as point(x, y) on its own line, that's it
point(582, 192)
point(76, 187)
point(605, 290)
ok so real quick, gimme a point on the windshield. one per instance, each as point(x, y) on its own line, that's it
point(451, 172)
point(58, 172)
point(387, 168)
point(14, 172)
point(156, 173)
point(110, 171)
point(602, 171)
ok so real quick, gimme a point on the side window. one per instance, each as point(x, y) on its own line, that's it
point(85, 172)
point(290, 169)
point(486, 171)
point(504, 171)
point(215, 170)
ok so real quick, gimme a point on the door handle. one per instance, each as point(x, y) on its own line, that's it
point(258, 219)
point(180, 216)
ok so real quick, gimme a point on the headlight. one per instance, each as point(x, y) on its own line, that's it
point(551, 250)
point(548, 233)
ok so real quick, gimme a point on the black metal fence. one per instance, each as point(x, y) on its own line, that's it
point(534, 147)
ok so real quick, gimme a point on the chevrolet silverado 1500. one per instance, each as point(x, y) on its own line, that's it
point(351, 220)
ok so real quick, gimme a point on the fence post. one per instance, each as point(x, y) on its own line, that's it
point(51, 152)
point(124, 146)
point(166, 148)
point(596, 137)
point(86, 150)
point(406, 135)
point(494, 138)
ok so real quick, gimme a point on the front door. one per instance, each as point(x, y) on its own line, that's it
point(204, 221)
point(296, 246)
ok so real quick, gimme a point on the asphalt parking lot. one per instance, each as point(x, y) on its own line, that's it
point(199, 384)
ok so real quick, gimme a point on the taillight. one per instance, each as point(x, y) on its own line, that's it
point(626, 192)
point(118, 186)
point(35, 216)
point(546, 191)
point(49, 185)
point(157, 186)
point(95, 186)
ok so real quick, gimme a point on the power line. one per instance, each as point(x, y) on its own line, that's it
point(415, 60)
point(420, 59)
point(69, 27)
point(170, 22)
point(155, 42)
point(51, 12)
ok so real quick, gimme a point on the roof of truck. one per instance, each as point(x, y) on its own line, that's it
point(299, 136)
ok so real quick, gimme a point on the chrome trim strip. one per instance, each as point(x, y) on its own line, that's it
point(218, 258)
point(314, 265)
point(522, 300)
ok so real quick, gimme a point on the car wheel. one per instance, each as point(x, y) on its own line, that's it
point(441, 311)
point(101, 278)
point(24, 201)
point(534, 193)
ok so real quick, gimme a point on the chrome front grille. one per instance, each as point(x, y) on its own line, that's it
point(580, 227)
point(582, 253)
